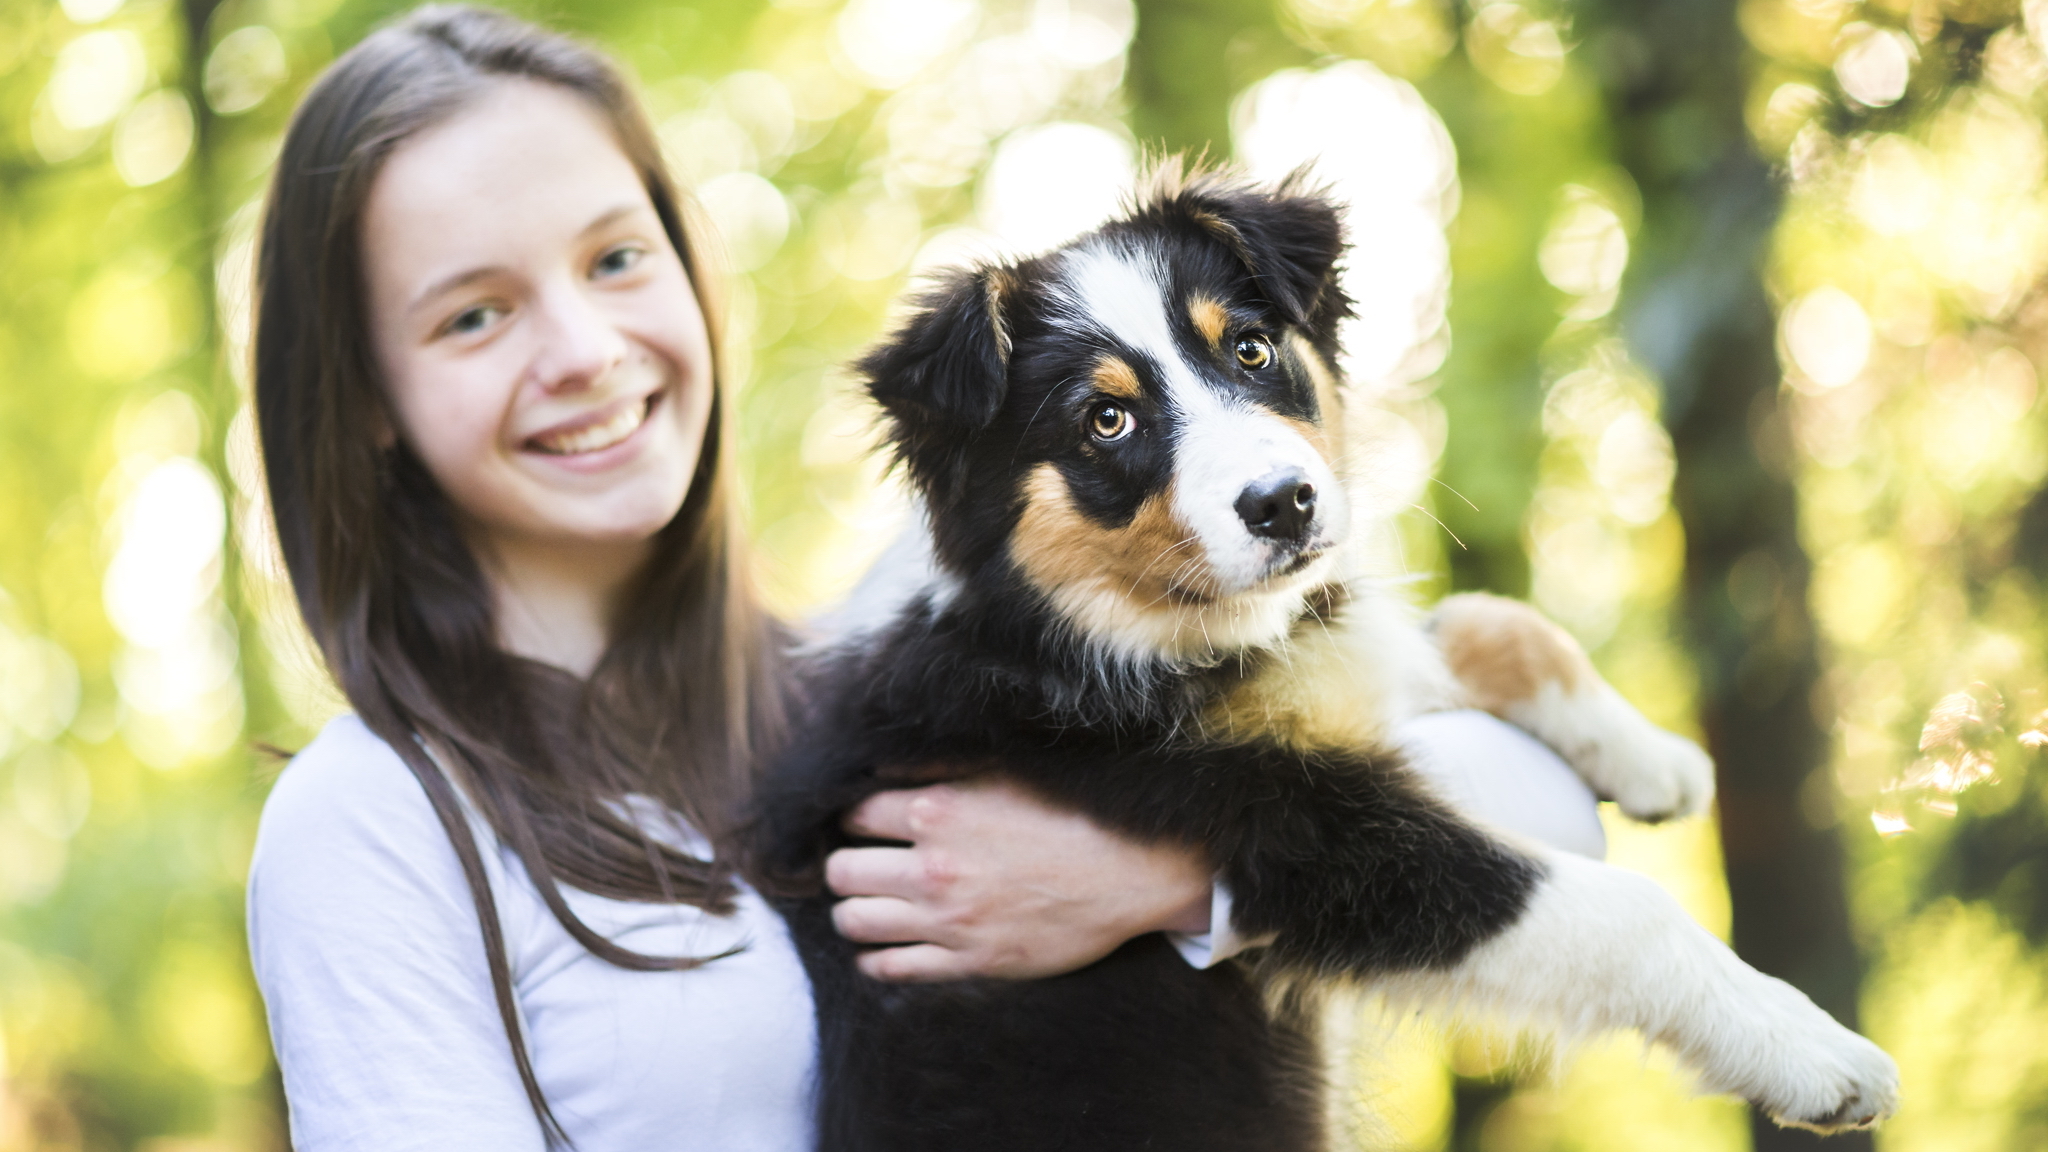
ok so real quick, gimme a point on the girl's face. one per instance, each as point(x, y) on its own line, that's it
point(542, 348)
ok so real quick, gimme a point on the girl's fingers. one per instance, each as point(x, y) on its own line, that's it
point(876, 872)
point(883, 816)
point(882, 920)
point(914, 963)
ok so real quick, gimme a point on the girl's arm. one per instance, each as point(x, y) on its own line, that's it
point(367, 950)
point(996, 882)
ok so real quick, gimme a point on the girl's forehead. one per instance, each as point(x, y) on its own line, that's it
point(523, 165)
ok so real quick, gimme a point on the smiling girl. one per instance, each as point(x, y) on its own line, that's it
point(493, 908)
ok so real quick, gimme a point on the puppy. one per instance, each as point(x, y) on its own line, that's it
point(1135, 605)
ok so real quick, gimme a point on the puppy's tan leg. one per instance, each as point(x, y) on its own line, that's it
point(1519, 666)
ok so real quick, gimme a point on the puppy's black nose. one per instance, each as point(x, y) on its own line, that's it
point(1279, 505)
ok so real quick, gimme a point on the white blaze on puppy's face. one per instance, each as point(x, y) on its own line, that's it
point(1187, 577)
point(1223, 445)
point(1224, 440)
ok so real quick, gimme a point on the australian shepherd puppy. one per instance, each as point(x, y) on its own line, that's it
point(1136, 605)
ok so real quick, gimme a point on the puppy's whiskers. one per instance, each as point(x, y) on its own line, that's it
point(1440, 524)
point(1163, 554)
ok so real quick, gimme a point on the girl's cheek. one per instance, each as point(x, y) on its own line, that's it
point(457, 427)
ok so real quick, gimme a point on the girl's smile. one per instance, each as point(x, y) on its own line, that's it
point(585, 437)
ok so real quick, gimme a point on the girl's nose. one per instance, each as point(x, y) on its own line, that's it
point(578, 342)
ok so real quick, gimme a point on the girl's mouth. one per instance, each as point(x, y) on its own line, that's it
point(599, 436)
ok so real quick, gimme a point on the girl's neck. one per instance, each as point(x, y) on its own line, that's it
point(556, 603)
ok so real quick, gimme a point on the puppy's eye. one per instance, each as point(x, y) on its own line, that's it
point(1254, 352)
point(1110, 422)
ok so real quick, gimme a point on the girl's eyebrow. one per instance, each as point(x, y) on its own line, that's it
point(611, 216)
point(449, 284)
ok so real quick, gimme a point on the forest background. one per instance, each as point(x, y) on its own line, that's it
point(1712, 325)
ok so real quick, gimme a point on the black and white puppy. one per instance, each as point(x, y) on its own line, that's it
point(1135, 606)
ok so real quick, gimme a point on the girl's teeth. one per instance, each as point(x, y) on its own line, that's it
point(596, 436)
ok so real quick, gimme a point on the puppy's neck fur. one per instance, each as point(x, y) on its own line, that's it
point(995, 647)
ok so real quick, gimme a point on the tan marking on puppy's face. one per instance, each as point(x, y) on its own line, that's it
point(1210, 320)
point(1114, 376)
point(1152, 561)
point(1504, 651)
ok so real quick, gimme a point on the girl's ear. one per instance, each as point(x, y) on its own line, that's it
point(946, 371)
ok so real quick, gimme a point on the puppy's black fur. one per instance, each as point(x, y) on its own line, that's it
point(1336, 852)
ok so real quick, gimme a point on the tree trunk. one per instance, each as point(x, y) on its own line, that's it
point(1697, 313)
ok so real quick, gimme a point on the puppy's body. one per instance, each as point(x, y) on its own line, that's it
point(1140, 1050)
point(1136, 608)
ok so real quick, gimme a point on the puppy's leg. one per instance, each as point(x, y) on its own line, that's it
point(1599, 948)
point(1526, 670)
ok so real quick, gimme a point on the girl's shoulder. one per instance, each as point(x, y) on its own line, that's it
point(348, 774)
point(348, 810)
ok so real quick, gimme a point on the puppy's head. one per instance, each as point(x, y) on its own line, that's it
point(1138, 425)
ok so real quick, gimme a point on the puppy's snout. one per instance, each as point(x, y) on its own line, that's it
point(1279, 505)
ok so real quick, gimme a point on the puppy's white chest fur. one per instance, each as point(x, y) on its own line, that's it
point(1345, 682)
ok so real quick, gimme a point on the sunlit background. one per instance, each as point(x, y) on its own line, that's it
point(1713, 327)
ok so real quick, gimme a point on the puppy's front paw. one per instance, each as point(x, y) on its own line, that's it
point(1858, 1087)
point(1805, 1070)
point(1653, 775)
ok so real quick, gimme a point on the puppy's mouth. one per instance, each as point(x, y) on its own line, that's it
point(1202, 591)
point(1310, 553)
point(596, 436)
point(1280, 574)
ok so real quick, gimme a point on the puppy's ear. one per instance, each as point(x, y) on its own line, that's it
point(1289, 238)
point(947, 369)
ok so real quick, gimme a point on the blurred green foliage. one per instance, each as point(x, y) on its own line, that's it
point(148, 648)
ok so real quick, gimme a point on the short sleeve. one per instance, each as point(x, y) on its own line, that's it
point(1221, 941)
point(366, 946)
point(1494, 772)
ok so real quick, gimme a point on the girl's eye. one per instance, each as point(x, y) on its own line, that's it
point(1110, 422)
point(618, 260)
point(473, 319)
point(1254, 352)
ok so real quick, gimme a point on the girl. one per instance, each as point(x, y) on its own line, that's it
point(490, 408)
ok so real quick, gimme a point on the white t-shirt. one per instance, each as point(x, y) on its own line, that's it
point(366, 947)
point(1500, 775)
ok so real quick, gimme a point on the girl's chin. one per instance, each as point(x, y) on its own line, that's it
point(616, 527)
point(620, 520)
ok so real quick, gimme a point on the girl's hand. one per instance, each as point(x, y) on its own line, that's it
point(996, 882)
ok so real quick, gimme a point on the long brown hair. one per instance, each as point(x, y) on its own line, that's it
point(687, 697)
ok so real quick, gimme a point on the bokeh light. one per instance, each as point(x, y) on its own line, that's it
point(1828, 335)
point(153, 138)
point(1875, 64)
point(1384, 154)
point(244, 68)
point(1049, 183)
